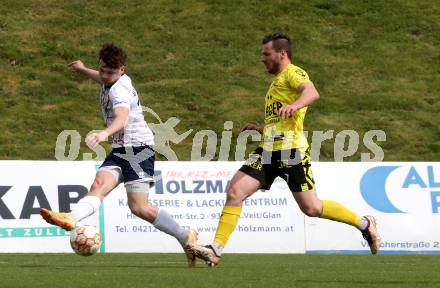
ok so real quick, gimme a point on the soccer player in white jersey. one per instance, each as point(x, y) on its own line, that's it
point(132, 157)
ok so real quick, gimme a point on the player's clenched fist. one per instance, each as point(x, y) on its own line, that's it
point(250, 126)
point(93, 139)
point(287, 111)
point(77, 65)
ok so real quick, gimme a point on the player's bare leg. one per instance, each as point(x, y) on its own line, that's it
point(102, 185)
point(138, 203)
point(309, 203)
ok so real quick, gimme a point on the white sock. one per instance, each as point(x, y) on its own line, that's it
point(165, 223)
point(364, 224)
point(85, 207)
point(217, 249)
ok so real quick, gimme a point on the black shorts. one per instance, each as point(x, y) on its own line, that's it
point(136, 164)
point(291, 165)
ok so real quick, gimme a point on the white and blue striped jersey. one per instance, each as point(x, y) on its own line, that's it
point(123, 94)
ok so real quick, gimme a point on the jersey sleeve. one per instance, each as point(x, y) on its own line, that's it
point(120, 96)
point(296, 77)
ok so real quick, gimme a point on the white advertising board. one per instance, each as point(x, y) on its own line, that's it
point(25, 186)
point(194, 193)
point(404, 197)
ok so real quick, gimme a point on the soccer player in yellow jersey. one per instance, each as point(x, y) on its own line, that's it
point(284, 152)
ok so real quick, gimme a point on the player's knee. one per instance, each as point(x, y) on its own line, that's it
point(311, 210)
point(135, 208)
point(234, 194)
point(97, 185)
point(142, 210)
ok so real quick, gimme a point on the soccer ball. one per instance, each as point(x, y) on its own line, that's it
point(85, 240)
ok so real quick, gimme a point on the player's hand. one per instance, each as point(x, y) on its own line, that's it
point(77, 65)
point(250, 126)
point(287, 111)
point(93, 139)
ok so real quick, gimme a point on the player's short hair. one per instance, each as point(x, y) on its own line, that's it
point(112, 56)
point(280, 42)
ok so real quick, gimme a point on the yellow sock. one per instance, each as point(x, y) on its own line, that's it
point(334, 211)
point(226, 224)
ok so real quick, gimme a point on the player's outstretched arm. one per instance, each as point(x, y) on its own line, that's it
point(120, 120)
point(79, 66)
point(308, 95)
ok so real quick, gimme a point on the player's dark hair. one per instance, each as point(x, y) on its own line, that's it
point(112, 56)
point(280, 42)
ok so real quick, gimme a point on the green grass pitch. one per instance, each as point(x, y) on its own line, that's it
point(375, 64)
point(236, 270)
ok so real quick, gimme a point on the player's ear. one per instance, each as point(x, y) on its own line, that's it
point(122, 68)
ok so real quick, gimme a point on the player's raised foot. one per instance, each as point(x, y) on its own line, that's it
point(191, 241)
point(207, 254)
point(370, 235)
point(63, 220)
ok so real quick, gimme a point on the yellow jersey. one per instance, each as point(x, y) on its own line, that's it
point(284, 134)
